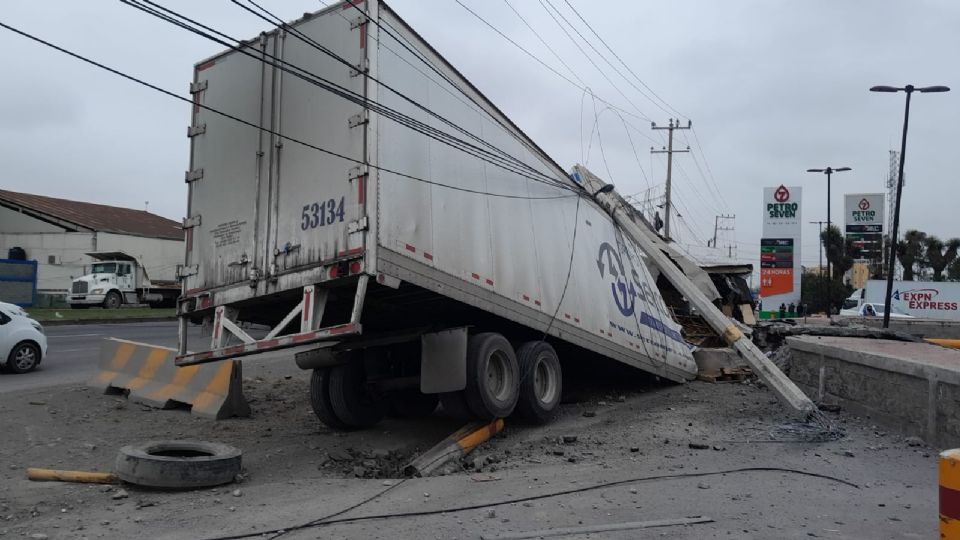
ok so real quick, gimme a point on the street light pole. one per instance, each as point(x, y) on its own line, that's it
point(829, 172)
point(820, 268)
point(909, 89)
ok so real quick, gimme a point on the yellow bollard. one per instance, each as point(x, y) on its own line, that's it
point(52, 475)
point(950, 494)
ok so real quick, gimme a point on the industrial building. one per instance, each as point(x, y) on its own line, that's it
point(59, 234)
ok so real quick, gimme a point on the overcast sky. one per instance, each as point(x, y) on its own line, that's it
point(772, 87)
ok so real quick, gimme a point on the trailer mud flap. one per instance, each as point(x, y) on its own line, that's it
point(443, 361)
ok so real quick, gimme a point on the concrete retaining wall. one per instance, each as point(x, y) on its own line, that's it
point(910, 387)
point(924, 328)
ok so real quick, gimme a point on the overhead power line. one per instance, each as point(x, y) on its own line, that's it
point(503, 160)
point(477, 107)
point(587, 56)
point(624, 64)
point(549, 48)
point(251, 124)
point(541, 62)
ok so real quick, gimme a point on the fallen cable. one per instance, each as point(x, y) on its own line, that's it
point(328, 520)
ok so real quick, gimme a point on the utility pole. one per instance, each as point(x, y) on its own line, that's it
point(717, 227)
point(671, 125)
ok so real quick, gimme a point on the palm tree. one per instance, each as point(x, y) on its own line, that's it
point(840, 251)
point(910, 252)
point(938, 259)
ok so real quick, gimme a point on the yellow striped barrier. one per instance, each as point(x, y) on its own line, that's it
point(148, 373)
point(950, 494)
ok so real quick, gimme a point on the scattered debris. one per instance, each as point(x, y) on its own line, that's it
point(736, 374)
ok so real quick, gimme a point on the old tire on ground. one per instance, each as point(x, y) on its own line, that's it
point(178, 464)
point(413, 404)
point(353, 401)
point(320, 399)
point(112, 300)
point(24, 357)
point(493, 376)
point(541, 382)
point(455, 406)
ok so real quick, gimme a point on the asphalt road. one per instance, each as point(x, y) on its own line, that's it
point(74, 350)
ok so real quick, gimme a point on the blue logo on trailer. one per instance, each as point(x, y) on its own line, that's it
point(622, 288)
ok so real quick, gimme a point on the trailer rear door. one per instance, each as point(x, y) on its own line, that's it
point(263, 198)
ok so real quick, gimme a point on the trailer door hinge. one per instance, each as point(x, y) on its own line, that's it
point(197, 87)
point(357, 172)
point(191, 222)
point(184, 271)
point(193, 176)
point(359, 119)
point(361, 224)
point(360, 69)
point(193, 131)
point(359, 21)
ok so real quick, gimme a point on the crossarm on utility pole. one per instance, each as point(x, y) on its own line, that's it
point(786, 390)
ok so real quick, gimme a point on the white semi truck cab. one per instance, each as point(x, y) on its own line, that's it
point(117, 279)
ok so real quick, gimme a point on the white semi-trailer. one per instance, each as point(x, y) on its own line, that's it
point(367, 201)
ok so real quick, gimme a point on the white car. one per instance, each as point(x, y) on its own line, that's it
point(869, 309)
point(22, 341)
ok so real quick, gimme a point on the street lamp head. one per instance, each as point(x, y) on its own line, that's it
point(815, 170)
point(885, 89)
point(841, 169)
point(931, 89)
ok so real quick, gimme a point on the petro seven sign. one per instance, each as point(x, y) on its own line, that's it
point(780, 248)
point(863, 222)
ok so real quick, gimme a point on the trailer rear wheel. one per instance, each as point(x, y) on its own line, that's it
point(354, 402)
point(541, 381)
point(413, 404)
point(320, 399)
point(493, 376)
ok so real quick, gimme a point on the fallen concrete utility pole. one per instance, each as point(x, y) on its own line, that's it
point(458, 444)
point(720, 323)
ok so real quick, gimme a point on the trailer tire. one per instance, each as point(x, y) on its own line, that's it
point(178, 464)
point(353, 401)
point(320, 399)
point(493, 376)
point(413, 404)
point(112, 300)
point(455, 406)
point(541, 382)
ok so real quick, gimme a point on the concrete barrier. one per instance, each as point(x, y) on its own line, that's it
point(913, 388)
point(148, 373)
point(923, 328)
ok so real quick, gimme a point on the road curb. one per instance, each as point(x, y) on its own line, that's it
point(65, 322)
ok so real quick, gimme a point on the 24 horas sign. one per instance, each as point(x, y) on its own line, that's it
point(780, 247)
